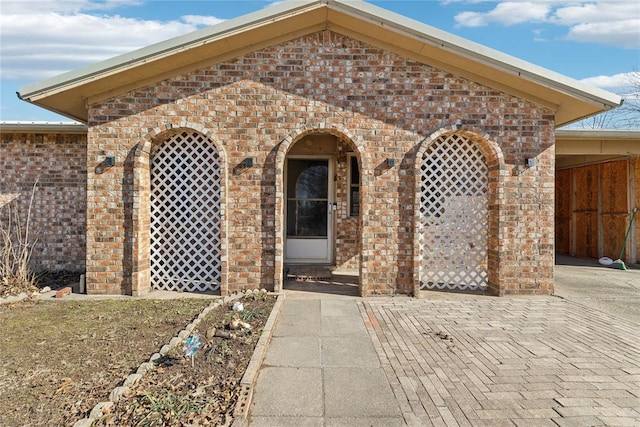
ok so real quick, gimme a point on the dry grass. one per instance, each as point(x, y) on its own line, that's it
point(60, 358)
point(16, 247)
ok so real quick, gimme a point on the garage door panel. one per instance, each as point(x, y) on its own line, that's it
point(587, 238)
point(614, 228)
point(586, 189)
point(614, 187)
point(563, 211)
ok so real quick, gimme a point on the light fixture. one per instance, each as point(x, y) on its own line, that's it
point(245, 164)
point(391, 162)
point(109, 161)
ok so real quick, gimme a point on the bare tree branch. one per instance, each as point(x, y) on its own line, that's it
point(626, 116)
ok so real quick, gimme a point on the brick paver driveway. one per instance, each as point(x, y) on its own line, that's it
point(484, 361)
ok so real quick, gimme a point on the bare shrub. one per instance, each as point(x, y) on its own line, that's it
point(16, 247)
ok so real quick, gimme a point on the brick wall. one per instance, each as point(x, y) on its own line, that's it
point(58, 162)
point(382, 104)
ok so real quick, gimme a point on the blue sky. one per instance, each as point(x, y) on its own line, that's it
point(595, 41)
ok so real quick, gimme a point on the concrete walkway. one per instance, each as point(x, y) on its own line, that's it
point(321, 369)
point(584, 280)
point(448, 360)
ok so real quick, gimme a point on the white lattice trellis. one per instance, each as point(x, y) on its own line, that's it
point(185, 214)
point(453, 215)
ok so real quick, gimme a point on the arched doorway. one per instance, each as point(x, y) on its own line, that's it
point(186, 214)
point(319, 203)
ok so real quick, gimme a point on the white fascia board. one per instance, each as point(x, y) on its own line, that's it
point(598, 134)
point(54, 127)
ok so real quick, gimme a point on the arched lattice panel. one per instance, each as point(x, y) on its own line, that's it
point(186, 214)
point(453, 215)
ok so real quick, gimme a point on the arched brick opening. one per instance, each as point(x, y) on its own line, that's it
point(285, 146)
point(492, 158)
point(139, 174)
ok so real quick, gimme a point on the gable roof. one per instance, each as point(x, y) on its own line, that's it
point(69, 94)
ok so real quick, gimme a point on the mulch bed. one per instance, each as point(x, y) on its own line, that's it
point(202, 391)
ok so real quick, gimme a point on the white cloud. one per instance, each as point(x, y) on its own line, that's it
point(598, 11)
point(200, 20)
point(42, 39)
point(625, 33)
point(506, 13)
point(615, 23)
point(618, 83)
point(538, 35)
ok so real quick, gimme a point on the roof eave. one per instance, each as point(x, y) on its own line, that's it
point(597, 134)
point(572, 100)
point(43, 127)
point(483, 54)
point(65, 81)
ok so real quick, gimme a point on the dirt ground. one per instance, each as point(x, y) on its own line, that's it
point(55, 281)
point(60, 358)
point(182, 392)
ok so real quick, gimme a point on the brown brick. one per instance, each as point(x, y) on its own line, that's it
point(379, 104)
point(63, 292)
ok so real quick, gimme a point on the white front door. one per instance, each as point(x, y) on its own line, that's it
point(309, 211)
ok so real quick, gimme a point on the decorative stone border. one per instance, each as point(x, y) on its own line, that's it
point(247, 382)
point(251, 374)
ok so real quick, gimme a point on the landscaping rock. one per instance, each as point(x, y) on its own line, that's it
point(174, 342)
point(145, 367)
point(100, 409)
point(133, 379)
point(119, 392)
point(211, 332)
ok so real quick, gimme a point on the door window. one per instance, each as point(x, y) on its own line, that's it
point(307, 198)
point(354, 186)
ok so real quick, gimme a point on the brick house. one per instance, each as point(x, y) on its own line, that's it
point(327, 132)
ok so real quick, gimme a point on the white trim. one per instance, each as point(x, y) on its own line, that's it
point(57, 127)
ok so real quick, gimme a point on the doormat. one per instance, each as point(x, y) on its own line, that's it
point(306, 273)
